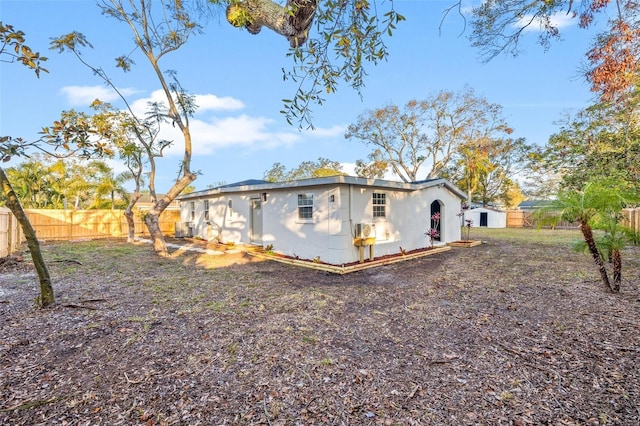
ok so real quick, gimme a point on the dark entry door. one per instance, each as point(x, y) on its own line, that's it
point(484, 218)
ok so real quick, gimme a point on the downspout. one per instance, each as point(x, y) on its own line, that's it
point(351, 210)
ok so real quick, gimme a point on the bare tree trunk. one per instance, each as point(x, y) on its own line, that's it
point(587, 233)
point(152, 218)
point(46, 290)
point(128, 214)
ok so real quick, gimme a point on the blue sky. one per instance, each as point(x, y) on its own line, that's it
point(237, 79)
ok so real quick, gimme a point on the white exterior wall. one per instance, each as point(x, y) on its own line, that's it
point(228, 218)
point(321, 236)
point(495, 218)
point(226, 223)
point(336, 210)
point(330, 235)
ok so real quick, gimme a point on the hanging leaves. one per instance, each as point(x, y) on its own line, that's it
point(615, 61)
point(19, 52)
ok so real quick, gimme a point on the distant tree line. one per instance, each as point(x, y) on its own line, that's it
point(43, 183)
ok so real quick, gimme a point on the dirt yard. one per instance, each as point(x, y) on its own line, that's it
point(517, 331)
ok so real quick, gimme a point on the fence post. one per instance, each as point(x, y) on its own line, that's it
point(13, 231)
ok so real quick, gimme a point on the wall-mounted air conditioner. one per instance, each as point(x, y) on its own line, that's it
point(184, 229)
point(364, 230)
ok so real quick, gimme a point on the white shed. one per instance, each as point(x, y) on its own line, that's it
point(324, 217)
point(485, 217)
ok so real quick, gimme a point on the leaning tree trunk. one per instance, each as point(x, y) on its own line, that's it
point(616, 258)
point(587, 234)
point(46, 290)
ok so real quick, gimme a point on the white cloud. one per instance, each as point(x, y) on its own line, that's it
point(559, 20)
point(212, 102)
point(242, 130)
point(333, 131)
point(206, 102)
point(214, 133)
point(84, 95)
point(139, 106)
point(211, 133)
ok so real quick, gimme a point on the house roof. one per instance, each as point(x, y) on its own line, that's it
point(145, 198)
point(256, 185)
point(534, 204)
point(247, 182)
point(487, 209)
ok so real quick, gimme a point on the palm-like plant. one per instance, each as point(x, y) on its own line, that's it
point(35, 185)
point(109, 186)
point(598, 206)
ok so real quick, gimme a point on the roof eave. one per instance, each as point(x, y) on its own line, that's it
point(330, 180)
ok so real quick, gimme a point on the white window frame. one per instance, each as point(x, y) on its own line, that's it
point(379, 206)
point(305, 209)
point(192, 206)
point(206, 209)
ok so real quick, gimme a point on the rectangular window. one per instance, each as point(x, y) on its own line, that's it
point(305, 206)
point(379, 204)
point(206, 209)
point(192, 206)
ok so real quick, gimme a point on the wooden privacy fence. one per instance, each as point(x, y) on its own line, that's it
point(520, 219)
point(631, 218)
point(525, 219)
point(85, 224)
point(10, 233)
point(517, 219)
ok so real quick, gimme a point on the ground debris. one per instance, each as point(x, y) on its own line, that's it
point(507, 333)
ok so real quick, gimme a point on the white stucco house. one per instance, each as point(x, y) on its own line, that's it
point(324, 217)
point(485, 217)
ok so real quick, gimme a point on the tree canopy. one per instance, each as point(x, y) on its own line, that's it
point(600, 142)
point(421, 139)
point(330, 40)
point(159, 29)
point(305, 170)
point(490, 169)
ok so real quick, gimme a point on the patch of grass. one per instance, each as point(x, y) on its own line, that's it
point(215, 306)
point(326, 362)
point(506, 396)
point(546, 237)
point(310, 339)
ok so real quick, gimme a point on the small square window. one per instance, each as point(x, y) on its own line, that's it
point(379, 204)
point(305, 206)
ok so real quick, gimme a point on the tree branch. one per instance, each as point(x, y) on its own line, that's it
point(292, 20)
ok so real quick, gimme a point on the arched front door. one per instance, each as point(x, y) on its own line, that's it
point(436, 207)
